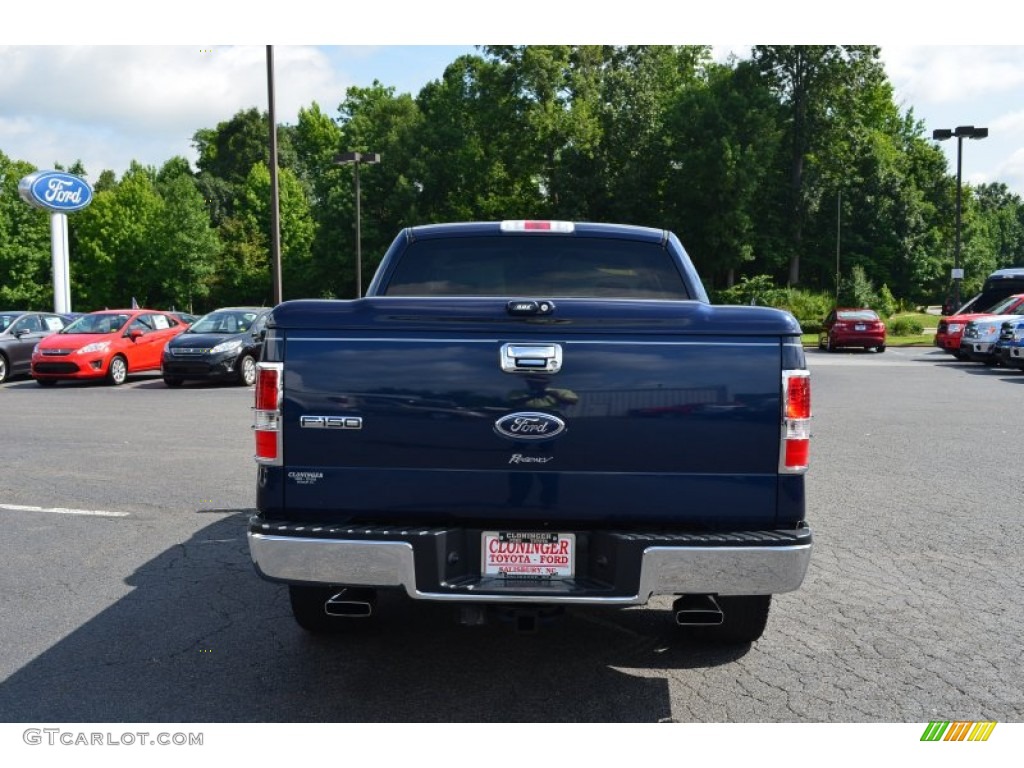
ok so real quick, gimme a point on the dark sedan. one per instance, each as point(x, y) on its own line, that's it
point(19, 333)
point(222, 345)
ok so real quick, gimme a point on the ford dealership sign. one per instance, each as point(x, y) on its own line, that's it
point(55, 191)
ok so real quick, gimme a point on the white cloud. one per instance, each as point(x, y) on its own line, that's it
point(949, 74)
point(109, 105)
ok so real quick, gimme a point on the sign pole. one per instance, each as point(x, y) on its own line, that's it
point(59, 253)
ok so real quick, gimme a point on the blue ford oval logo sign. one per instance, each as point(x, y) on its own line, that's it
point(529, 426)
point(55, 191)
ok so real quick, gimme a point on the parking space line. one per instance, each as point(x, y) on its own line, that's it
point(62, 510)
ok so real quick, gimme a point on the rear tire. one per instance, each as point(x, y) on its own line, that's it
point(308, 608)
point(744, 620)
point(4, 370)
point(880, 349)
point(118, 371)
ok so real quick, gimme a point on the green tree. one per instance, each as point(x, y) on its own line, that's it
point(723, 174)
point(228, 152)
point(1001, 215)
point(317, 140)
point(857, 290)
point(245, 277)
point(467, 160)
point(643, 129)
point(375, 120)
point(811, 81)
point(26, 274)
point(176, 166)
point(113, 238)
point(558, 100)
point(185, 246)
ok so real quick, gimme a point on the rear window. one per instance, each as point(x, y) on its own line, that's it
point(571, 267)
point(863, 314)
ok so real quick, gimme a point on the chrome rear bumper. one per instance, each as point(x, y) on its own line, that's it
point(664, 570)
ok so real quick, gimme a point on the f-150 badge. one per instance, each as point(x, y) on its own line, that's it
point(529, 425)
point(331, 422)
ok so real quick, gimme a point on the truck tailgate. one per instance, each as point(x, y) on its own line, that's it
point(661, 404)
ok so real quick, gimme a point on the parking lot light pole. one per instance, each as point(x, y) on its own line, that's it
point(275, 199)
point(357, 159)
point(961, 132)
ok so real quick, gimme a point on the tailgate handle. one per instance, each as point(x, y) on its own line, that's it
point(531, 358)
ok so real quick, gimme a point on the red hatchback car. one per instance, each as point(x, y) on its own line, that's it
point(108, 344)
point(845, 327)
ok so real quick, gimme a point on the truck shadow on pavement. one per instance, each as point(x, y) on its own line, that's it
point(201, 638)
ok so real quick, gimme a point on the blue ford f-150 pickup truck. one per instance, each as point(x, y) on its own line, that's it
point(528, 415)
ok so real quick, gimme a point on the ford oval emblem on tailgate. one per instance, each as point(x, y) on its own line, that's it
point(529, 426)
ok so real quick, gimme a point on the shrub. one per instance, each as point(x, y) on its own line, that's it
point(905, 326)
point(857, 290)
point(757, 290)
point(808, 307)
point(811, 326)
point(887, 304)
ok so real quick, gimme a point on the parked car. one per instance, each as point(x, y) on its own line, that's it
point(847, 327)
point(949, 335)
point(1010, 347)
point(981, 335)
point(109, 344)
point(999, 287)
point(19, 333)
point(222, 345)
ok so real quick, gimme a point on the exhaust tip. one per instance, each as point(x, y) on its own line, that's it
point(697, 611)
point(351, 603)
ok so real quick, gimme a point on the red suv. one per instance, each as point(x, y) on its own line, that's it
point(951, 329)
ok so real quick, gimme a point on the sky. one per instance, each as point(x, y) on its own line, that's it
point(71, 90)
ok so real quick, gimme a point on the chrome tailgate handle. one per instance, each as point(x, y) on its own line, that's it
point(531, 358)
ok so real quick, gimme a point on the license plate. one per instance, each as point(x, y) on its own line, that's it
point(860, 327)
point(528, 554)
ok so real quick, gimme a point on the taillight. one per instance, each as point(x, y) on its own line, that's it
point(796, 422)
point(267, 412)
point(562, 227)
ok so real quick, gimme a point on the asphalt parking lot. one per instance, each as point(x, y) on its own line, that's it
point(129, 595)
